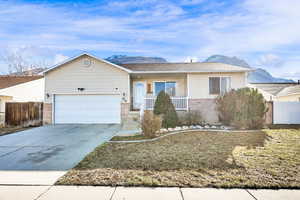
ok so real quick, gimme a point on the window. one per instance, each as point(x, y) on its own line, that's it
point(219, 85)
point(167, 87)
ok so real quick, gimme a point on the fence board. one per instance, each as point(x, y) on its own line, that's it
point(23, 114)
point(286, 112)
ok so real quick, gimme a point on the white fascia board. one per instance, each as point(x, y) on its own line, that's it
point(88, 54)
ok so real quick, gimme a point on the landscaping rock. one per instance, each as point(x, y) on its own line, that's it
point(199, 127)
point(163, 130)
point(178, 128)
point(170, 129)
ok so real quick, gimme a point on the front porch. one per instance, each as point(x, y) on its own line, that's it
point(180, 103)
point(145, 88)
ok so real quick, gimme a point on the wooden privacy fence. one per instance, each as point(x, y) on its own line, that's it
point(24, 114)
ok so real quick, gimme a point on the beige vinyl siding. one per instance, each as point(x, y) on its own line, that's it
point(199, 83)
point(294, 97)
point(180, 79)
point(99, 78)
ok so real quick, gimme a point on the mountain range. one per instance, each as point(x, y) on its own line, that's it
point(259, 75)
point(123, 59)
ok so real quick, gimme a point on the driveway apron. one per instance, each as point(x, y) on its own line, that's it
point(55, 147)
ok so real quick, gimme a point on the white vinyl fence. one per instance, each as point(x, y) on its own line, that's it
point(286, 112)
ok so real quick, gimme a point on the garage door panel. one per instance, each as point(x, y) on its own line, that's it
point(87, 109)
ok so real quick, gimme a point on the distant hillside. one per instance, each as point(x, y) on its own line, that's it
point(228, 60)
point(123, 59)
point(258, 76)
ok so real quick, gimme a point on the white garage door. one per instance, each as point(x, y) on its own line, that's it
point(87, 109)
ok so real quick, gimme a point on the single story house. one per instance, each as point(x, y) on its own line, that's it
point(87, 89)
point(278, 91)
point(20, 89)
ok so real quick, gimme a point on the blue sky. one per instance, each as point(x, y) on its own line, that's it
point(264, 33)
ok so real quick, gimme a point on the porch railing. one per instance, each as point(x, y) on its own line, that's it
point(180, 103)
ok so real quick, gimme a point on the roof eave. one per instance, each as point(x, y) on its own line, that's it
point(82, 54)
point(172, 72)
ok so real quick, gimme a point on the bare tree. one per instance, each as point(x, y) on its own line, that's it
point(18, 63)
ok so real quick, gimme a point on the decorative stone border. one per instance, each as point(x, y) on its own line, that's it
point(177, 132)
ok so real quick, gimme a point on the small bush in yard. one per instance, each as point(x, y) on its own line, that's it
point(164, 107)
point(192, 117)
point(170, 119)
point(150, 124)
point(244, 108)
point(226, 106)
point(161, 103)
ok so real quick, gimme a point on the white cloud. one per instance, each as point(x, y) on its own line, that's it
point(190, 59)
point(254, 29)
point(270, 60)
point(59, 58)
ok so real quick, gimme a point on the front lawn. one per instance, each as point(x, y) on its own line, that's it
point(263, 159)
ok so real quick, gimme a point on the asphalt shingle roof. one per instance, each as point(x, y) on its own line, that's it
point(184, 67)
point(273, 88)
point(290, 91)
point(9, 81)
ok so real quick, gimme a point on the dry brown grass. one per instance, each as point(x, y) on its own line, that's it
point(9, 130)
point(269, 159)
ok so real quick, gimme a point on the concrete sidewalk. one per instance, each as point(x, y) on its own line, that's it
point(134, 193)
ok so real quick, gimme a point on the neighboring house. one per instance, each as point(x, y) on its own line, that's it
point(291, 93)
point(278, 91)
point(86, 89)
point(20, 89)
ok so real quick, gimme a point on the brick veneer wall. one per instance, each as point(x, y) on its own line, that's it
point(47, 113)
point(125, 108)
point(207, 107)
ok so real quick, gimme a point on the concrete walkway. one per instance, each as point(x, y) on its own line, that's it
point(134, 193)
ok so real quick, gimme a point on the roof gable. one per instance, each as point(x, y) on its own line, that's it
point(84, 54)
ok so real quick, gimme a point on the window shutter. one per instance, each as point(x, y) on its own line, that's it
point(149, 88)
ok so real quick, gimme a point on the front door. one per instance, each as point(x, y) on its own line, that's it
point(139, 93)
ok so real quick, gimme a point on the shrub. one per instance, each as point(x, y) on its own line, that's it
point(164, 107)
point(192, 118)
point(226, 107)
point(170, 118)
point(161, 102)
point(150, 124)
point(244, 108)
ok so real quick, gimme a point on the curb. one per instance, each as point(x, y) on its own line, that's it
point(177, 132)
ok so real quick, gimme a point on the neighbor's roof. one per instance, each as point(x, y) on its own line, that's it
point(290, 91)
point(183, 67)
point(273, 88)
point(8, 81)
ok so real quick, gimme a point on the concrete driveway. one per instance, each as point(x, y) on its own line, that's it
point(58, 147)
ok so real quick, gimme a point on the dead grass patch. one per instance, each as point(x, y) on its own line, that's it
point(263, 159)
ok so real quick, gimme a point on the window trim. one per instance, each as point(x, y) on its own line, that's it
point(153, 84)
point(220, 82)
